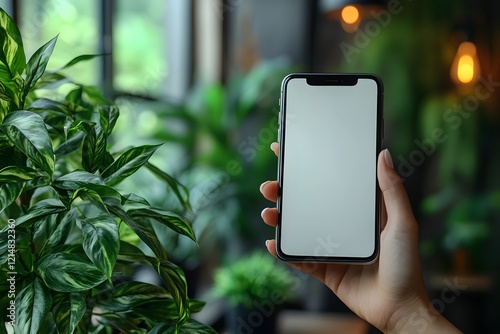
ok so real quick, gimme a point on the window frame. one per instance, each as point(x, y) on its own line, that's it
point(179, 35)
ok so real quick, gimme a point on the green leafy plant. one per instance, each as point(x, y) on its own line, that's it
point(253, 279)
point(467, 227)
point(68, 236)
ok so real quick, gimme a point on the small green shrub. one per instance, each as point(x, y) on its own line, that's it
point(253, 279)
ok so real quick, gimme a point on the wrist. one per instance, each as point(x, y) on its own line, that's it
point(419, 316)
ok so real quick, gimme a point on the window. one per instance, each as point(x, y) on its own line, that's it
point(149, 43)
point(76, 22)
point(151, 47)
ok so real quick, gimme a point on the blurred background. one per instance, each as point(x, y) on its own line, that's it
point(203, 76)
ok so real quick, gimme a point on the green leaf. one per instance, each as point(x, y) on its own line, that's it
point(75, 61)
point(79, 125)
point(131, 289)
point(143, 231)
point(37, 64)
point(8, 94)
point(12, 57)
point(32, 306)
point(68, 273)
point(30, 98)
point(94, 149)
point(75, 95)
point(69, 146)
point(5, 108)
point(23, 251)
point(76, 103)
point(164, 328)
point(180, 190)
point(106, 161)
point(134, 199)
point(55, 122)
point(194, 327)
point(27, 131)
point(5, 92)
point(9, 192)
point(127, 250)
point(92, 196)
point(69, 312)
point(49, 105)
point(101, 242)
point(175, 223)
point(94, 96)
point(18, 174)
point(77, 179)
point(126, 296)
point(49, 326)
point(120, 322)
point(4, 246)
point(108, 115)
point(91, 190)
point(157, 310)
point(190, 327)
point(52, 81)
point(196, 306)
point(75, 249)
point(41, 209)
point(78, 308)
point(128, 163)
point(175, 282)
point(96, 193)
point(65, 224)
point(42, 229)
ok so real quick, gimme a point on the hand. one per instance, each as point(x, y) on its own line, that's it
point(389, 293)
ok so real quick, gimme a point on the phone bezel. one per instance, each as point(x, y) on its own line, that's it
point(328, 79)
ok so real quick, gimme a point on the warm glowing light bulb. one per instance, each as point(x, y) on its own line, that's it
point(465, 71)
point(350, 14)
point(465, 68)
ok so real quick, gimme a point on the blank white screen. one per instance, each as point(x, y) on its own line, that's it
point(329, 171)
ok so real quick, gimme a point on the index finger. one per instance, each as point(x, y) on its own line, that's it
point(275, 147)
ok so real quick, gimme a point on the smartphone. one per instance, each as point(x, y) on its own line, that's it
point(330, 134)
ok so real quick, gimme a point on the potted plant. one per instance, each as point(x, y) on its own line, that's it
point(255, 287)
point(68, 237)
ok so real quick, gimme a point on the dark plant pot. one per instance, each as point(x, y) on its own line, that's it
point(261, 320)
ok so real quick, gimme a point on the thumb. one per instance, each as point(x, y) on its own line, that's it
point(396, 200)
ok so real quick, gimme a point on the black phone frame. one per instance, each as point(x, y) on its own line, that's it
point(329, 79)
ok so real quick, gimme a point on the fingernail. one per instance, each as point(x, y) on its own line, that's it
point(267, 243)
point(388, 158)
point(262, 213)
point(273, 144)
point(263, 185)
